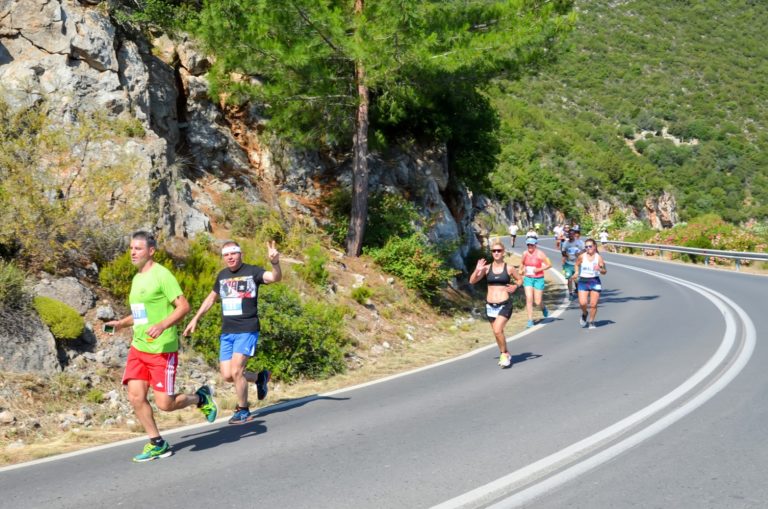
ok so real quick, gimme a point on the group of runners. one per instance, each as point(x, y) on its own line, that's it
point(158, 305)
point(582, 267)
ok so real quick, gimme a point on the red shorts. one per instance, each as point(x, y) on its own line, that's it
point(159, 369)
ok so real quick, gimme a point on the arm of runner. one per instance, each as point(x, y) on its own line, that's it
point(545, 263)
point(181, 308)
point(516, 276)
point(276, 274)
point(602, 265)
point(126, 321)
point(577, 268)
point(207, 304)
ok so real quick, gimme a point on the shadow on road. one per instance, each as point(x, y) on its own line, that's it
point(522, 357)
point(614, 296)
point(208, 438)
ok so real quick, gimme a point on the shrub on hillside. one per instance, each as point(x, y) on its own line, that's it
point(12, 294)
point(414, 261)
point(313, 271)
point(361, 294)
point(299, 339)
point(64, 322)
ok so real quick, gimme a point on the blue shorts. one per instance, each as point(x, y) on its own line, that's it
point(536, 282)
point(243, 343)
point(590, 284)
point(568, 270)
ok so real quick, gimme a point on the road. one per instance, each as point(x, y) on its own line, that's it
point(663, 405)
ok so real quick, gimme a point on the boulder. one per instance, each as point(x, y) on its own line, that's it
point(68, 290)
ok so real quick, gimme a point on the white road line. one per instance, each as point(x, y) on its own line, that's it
point(496, 489)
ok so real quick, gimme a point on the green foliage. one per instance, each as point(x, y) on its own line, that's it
point(95, 396)
point(149, 15)
point(388, 215)
point(659, 76)
point(361, 294)
point(250, 220)
point(414, 261)
point(299, 340)
point(64, 322)
point(12, 293)
point(313, 271)
point(307, 53)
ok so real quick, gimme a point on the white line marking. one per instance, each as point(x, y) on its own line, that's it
point(496, 489)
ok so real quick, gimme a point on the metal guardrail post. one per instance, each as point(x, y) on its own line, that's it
point(738, 265)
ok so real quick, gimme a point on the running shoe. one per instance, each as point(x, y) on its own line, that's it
point(153, 452)
point(530, 323)
point(242, 415)
point(545, 311)
point(208, 407)
point(262, 379)
point(505, 360)
point(583, 320)
point(592, 325)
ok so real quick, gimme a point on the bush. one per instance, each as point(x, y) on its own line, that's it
point(299, 340)
point(388, 215)
point(313, 271)
point(361, 294)
point(12, 294)
point(415, 262)
point(64, 322)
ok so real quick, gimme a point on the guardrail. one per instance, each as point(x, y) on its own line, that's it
point(738, 256)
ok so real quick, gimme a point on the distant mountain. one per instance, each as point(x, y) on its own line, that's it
point(649, 96)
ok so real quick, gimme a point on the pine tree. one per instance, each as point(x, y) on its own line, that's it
point(319, 65)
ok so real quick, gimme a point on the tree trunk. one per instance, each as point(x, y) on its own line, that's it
point(359, 213)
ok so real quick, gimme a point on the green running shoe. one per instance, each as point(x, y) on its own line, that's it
point(153, 452)
point(208, 407)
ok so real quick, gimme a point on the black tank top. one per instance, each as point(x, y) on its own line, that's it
point(502, 279)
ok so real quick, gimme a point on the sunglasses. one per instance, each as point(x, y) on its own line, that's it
point(497, 250)
point(589, 246)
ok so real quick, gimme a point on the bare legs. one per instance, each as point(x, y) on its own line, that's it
point(234, 371)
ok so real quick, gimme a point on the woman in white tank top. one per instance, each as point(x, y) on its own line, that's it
point(589, 266)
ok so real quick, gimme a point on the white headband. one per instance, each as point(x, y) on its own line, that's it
point(230, 249)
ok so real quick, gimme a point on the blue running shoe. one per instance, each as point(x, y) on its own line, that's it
point(530, 324)
point(241, 416)
point(208, 406)
point(545, 311)
point(153, 452)
point(262, 379)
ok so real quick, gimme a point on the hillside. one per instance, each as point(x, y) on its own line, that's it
point(649, 96)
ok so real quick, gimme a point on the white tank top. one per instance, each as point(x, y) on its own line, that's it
point(590, 268)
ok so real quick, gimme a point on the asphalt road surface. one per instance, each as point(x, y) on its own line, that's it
point(664, 405)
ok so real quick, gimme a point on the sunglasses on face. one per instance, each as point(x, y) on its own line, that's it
point(497, 250)
point(590, 246)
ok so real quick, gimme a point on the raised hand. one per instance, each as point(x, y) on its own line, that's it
point(272, 253)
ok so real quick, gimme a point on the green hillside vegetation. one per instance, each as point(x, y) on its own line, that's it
point(637, 70)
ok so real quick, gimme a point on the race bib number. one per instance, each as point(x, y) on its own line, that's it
point(139, 313)
point(530, 270)
point(492, 311)
point(232, 306)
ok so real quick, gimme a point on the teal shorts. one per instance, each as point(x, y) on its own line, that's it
point(568, 270)
point(536, 282)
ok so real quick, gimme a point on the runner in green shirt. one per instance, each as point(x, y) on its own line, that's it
point(157, 305)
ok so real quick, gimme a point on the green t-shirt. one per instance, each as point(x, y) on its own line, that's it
point(151, 300)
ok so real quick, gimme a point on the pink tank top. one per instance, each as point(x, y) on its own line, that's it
point(532, 266)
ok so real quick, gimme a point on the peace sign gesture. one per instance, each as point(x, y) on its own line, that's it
point(272, 253)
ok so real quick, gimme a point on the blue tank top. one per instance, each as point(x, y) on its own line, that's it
point(502, 279)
